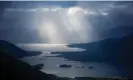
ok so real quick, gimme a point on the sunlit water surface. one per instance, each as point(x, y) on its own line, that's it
point(51, 62)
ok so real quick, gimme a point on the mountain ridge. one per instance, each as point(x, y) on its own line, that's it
point(15, 51)
point(113, 50)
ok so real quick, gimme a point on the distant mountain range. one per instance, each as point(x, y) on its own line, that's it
point(109, 50)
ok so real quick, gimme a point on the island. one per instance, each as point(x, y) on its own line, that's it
point(65, 66)
point(90, 67)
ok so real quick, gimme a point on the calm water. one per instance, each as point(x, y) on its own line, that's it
point(51, 63)
point(51, 66)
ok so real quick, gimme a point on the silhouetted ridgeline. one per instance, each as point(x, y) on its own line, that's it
point(17, 70)
point(13, 50)
point(109, 50)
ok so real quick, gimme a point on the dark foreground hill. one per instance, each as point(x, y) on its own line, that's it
point(13, 50)
point(14, 69)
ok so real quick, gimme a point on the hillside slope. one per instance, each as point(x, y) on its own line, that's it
point(13, 50)
point(112, 50)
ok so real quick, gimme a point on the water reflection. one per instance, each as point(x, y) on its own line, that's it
point(51, 66)
point(78, 69)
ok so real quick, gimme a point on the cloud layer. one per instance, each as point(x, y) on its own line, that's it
point(79, 23)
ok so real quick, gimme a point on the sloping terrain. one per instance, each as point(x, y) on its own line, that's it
point(16, 70)
point(108, 50)
point(13, 50)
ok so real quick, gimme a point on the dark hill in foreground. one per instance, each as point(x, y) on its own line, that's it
point(14, 69)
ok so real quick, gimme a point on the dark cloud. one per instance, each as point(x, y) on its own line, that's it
point(106, 19)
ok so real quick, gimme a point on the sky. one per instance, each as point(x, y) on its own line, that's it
point(65, 22)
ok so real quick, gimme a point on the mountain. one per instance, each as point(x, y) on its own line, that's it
point(109, 50)
point(13, 50)
point(11, 68)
